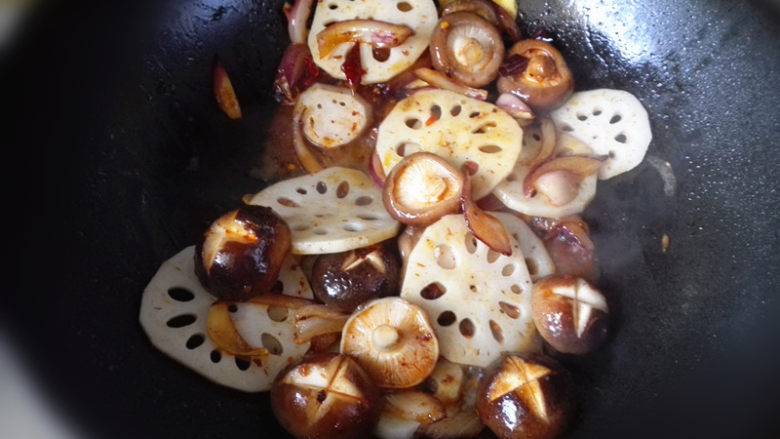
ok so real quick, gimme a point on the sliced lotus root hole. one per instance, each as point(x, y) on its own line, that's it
point(596, 111)
point(433, 291)
point(498, 333)
point(511, 310)
point(620, 138)
point(331, 211)
point(446, 318)
point(174, 310)
point(460, 283)
point(242, 363)
point(181, 321)
point(533, 268)
point(195, 341)
point(180, 294)
point(413, 123)
point(272, 344)
point(445, 256)
point(455, 110)
point(466, 328)
point(615, 119)
point(277, 313)
point(404, 6)
point(381, 54)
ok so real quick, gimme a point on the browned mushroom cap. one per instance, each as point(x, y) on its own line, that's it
point(526, 397)
point(326, 396)
point(422, 188)
point(345, 280)
point(570, 314)
point(544, 82)
point(240, 254)
point(393, 340)
point(467, 47)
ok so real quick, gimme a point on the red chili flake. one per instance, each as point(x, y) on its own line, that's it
point(352, 67)
point(513, 64)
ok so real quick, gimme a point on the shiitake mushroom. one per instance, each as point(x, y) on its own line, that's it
point(467, 47)
point(535, 71)
point(240, 254)
point(326, 396)
point(422, 188)
point(570, 314)
point(526, 397)
point(345, 280)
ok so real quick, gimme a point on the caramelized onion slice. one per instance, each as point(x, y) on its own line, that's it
point(545, 82)
point(224, 92)
point(467, 47)
point(414, 405)
point(549, 141)
point(295, 73)
point(481, 224)
point(515, 106)
point(422, 188)
point(439, 80)
point(281, 300)
point(222, 331)
point(316, 320)
point(579, 166)
point(376, 33)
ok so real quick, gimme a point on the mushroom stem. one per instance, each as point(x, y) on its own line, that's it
point(385, 337)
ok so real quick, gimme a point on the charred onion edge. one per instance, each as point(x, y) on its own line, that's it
point(481, 224)
point(578, 165)
point(440, 80)
point(297, 15)
point(304, 154)
point(376, 33)
point(420, 216)
point(445, 61)
point(221, 330)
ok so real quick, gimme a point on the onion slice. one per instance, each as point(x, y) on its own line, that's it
point(549, 141)
point(484, 226)
point(222, 331)
point(297, 16)
point(224, 92)
point(304, 154)
point(281, 300)
point(376, 33)
point(296, 72)
point(440, 80)
point(516, 107)
point(578, 165)
point(316, 320)
point(414, 405)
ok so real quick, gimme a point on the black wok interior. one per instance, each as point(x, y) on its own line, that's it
point(125, 159)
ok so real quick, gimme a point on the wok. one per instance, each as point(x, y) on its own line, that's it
point(117, 157)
